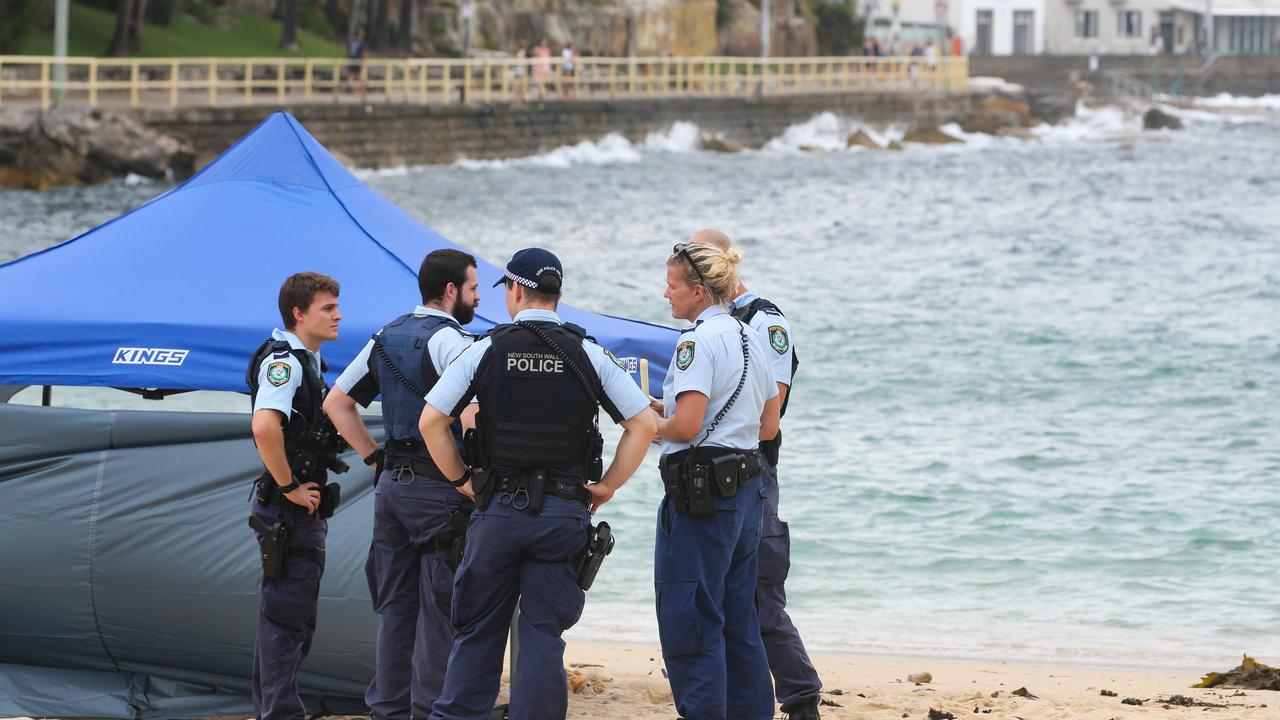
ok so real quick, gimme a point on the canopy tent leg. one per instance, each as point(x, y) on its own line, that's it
point(46, 395)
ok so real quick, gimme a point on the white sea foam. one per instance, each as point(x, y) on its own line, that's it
point(611, 149)
point(681, 137)
point(1091, 124)
point(396, 171)
point(1224, 100)
point(826, 132)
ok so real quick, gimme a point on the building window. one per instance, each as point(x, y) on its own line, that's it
point(1023, 32)
point(1129, 23)
point(1086, 23)
point(982, 43)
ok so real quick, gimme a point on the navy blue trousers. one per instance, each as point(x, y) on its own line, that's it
point(795, 680)
point(705, 581)
point(513, 555)
point(286, 617)
point(411, 585)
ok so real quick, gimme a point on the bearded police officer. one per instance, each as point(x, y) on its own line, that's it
point(418, 517)
point(718, 401)
point(795, 681)
point(538, 382)
point(298, 447)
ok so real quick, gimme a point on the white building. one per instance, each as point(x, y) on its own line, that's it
point(1005, 27)
point(910, 23)
point(1114, 27)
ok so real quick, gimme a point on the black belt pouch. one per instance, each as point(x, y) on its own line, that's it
point(728, 473)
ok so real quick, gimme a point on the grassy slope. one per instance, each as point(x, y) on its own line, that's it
point(242, 36)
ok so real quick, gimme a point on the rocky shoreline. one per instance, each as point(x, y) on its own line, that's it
point(65, 146)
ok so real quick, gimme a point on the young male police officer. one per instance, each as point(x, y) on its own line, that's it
point(287, 387)
point(538, 382)
point(417, 515)
point(796, 683)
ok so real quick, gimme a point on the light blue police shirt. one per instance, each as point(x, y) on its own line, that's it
point(776, 332)
point(444, 347)
point(617, 383)
point(708, 360)
point(280, 377)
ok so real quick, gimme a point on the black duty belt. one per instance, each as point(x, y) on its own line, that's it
point(564, 489)
point(751, 459)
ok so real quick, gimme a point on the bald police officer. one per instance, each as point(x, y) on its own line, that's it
point(296, 442)
point(718, 400)
point(418, 516)
point(796, 682)
point(539, 382)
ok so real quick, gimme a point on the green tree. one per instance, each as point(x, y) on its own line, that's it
point(838, 30)
point(21, 19)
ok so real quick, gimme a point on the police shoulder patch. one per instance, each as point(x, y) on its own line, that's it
point(778, 339)
point(278, 373)
point(684, 354)
point(614, 358)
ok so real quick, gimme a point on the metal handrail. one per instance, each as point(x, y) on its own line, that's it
point(210, 82)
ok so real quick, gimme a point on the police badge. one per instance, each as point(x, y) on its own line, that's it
point(778, 338)
point(684, 355)
point(278, 373)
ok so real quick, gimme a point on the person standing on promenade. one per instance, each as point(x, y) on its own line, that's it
point(795, 679)
point(541, 67)
point(718, 401)
point(418, 517)
point(540, 383)
point(293, 499)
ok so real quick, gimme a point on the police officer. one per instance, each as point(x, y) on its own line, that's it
point(718, 401)
point(287, 388)
point(418, 518)
point(538, 382)
point(795, 680)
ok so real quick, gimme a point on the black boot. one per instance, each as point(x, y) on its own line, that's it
point(801, 711)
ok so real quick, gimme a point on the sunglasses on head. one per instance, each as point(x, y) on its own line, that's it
point(683, 249)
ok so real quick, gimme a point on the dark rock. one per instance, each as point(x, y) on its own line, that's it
point(862, 138)
point(1023, 692)
point(1052, 107)
point(940, 715)
point(1131, 701)
point(1157, 119)
point(721, 144)
point(1108, 693)
point(990, 122)
point(64, 146)
point(930, 136)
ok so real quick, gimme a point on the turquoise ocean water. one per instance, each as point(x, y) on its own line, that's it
point(1038, 411)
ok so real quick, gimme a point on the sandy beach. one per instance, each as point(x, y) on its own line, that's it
point(631, 684)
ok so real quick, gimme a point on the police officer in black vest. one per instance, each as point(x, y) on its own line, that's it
point(539, 383)
point(298, 446)
point(419, 519)
point(795, 680)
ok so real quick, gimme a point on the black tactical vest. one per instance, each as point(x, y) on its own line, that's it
point(406, 373)
point(308, 400)
point(534, 413)
point(746, 313)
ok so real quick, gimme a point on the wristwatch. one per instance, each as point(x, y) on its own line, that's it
point(286, 489)
point(466, 476)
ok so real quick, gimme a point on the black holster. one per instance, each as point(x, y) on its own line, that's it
point(330, 498)
point(599, 544)
point(453, 542)
point(273, 544)
point(593, 463)
point(691, 476)
point(769, 449)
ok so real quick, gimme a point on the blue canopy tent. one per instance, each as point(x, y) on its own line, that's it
point(129, 586)
point(174, 294)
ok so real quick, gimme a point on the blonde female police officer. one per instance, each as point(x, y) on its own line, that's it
point(538, 382)
point(719, 399)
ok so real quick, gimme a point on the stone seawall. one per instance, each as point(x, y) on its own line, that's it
point(380, 136)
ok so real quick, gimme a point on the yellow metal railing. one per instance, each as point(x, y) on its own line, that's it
point(206, 82)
